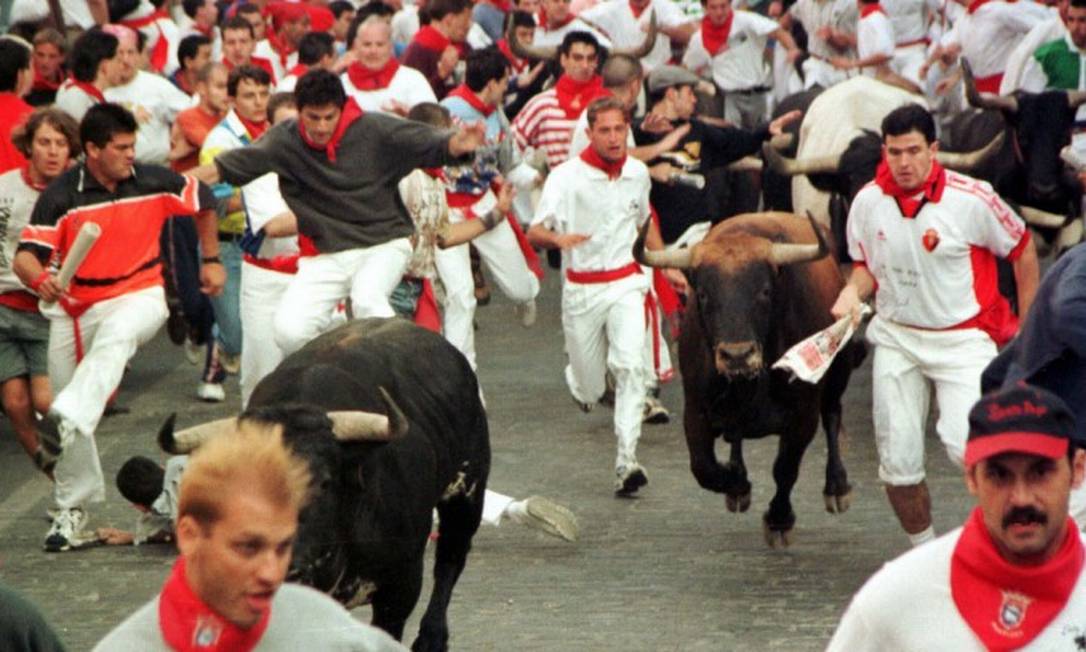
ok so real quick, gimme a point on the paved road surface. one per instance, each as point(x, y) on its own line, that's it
point(669, 570)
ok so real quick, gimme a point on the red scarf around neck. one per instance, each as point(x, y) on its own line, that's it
point(715, 37)
point(541, 21)
point(518, 64)
point(974, 5)
point(188, 624)
point(637, 11)
point(255, 129)
point(28, 180)
point(463, 92)
point(42, 83)
point(1008, 605)
point(86, 87)
point(433, 40)
point(613, 169)
point(907, 200)
point(574, 96)
point(351, 112)
point(867, 10)
point(298, 70)
point(365, 79)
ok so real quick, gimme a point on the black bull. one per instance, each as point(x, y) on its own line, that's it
point(762, 282)
point(365, 529)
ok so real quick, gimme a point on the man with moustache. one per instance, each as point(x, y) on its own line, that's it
point(1012, 577)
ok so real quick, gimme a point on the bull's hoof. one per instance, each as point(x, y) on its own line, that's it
point(435, 643)
point(737, 502)
point(776, 538)
point(838, 504)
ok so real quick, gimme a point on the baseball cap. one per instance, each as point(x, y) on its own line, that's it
point(1021, 419)
point(667, 76)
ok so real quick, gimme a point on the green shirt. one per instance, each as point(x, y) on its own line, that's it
point(1061, 63)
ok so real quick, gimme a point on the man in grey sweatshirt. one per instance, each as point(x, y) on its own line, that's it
point(338, 171)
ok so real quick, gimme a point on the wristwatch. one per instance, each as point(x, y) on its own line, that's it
point(207, 260)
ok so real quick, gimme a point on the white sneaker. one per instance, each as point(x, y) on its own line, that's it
point(211, 392)
point(66, 532)
point(527, 312)
point(545, 515)
point(231, 364)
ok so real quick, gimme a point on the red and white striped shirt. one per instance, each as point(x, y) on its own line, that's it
point(543, 124)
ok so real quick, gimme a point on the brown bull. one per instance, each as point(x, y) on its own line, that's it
point(761, 282)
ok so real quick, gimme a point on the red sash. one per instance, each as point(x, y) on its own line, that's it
point(990, 84)
point(188, 624)
point(427, 314)
point(714, 38)
point(465, 201)
point(365, 79)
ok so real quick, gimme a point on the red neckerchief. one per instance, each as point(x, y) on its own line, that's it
point(574, 96)
point(351, 112)
point(255, 129)
point(282, 48)
point(542, 21)
point(974, 5)
point(179, 79)
point(365, 79)
point(159, 53)
point(435, 173)
point(433, 40)
point(611, 168)
point(515, 62)
point(188, 624)
point(44, 83)
point(637, 11)
point(715, 37)
point(867, 10)
point(910, 205)
point(25, 172)
point(206, 31)
point(1007, 605)
point(298, 70)
point(86, 87)
point(463, 92)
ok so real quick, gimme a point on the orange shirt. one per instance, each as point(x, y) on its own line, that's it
point(194, 123)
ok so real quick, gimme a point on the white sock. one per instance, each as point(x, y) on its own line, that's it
point(922, 537)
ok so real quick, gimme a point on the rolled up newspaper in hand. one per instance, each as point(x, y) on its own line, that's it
point(810, 359)
point(84, 240)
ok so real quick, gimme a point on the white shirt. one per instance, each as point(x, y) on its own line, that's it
point(155, 102)
point(73, 101)
point(874, 35)
point(160, 28)
point(989, 35)
point(17, 201)
point(404, 24)
point(1023, 72)
point(408, 87)
point(264, 49)
point(934, 288)
point(907, 606)
point(579, 198)
point(740, 64)
point(909, 18)
point(548, 38)
point(815, 14)
point(263, 201)
point(625, 31)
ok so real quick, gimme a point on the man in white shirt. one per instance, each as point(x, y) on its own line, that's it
point(925, 243)
point(625, 23)
point(555, 20)
point(93, 63)
point(830, 25)
point(987, 34)
point(1012, 577)
point(375, 79)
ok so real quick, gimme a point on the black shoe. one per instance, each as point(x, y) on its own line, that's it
point(630, 479)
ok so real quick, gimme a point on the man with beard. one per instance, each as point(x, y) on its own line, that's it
point(1011, 578)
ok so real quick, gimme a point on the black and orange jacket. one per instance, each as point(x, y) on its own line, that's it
point(126, 257)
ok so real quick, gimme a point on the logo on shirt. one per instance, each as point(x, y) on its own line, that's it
point(208, 630)
point(930, 239)
point(1012, 612)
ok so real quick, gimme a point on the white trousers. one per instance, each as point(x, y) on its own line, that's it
point(908, 60)
point(507, 268)
point(111, 332)
point(494, 506)
point(604, 325)
point(905, 360)
point(367, 275)
point(261, 292)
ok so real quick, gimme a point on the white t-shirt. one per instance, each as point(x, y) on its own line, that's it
point(874, 35)
point(909, 18)
point(552, 38)
point(263, 201)
point(989, 35)
point(579, 198)
point(740, 64)
point(16, 203)
point(408, 87)
point(155, 102)
point(579, 141)
point(815, 14)
point(625, 31)
point(925, 268)
point(907, 606)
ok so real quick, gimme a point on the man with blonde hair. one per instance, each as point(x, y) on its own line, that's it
point(237, 518)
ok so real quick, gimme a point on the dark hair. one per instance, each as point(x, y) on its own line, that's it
point(578, 37)
point(247, 9)
point(236, 23)
point(278, 101)
point(14, 57)
point(141, 481)
point(255, 74)
point(483, 66)
point(190, 47)
point(438, 9)
point(379, 9)
point(23, 135)
point(103, 121)
point(190, 7)
point(1078, 4)
point(88, 52)
point(519, 18)
point(314, 46)
point(51, 36)
point(603, 104)
point(909, 118)
point(318, 87)
point(430, 113)
point(340, 7)
point(141, 40)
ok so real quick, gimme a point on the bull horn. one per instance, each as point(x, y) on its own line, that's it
point(647, 44)
point(677, 258)
point(1076, 99)
point(985, 100)
point(746, 164)
point(525, 51)
point(189, 439)
point(791, 167)
point(356, 425)
point(789, 254)
point(782, 142)
point(1037, 217)
point(966, 161)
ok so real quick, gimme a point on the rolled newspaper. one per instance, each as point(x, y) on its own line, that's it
point(810, 359)
point(84, 240)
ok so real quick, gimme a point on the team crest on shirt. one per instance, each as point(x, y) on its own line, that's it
point(1012, 612)
point(207, 632)
point(930, 239)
